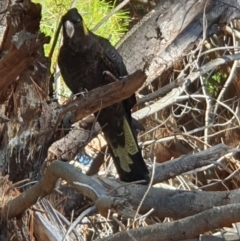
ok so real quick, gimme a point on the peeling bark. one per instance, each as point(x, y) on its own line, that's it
point(170, 31)
point(29, 124)
point(23, 89)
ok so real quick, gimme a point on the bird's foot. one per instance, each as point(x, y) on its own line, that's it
point(110, 77)
point(82, 93)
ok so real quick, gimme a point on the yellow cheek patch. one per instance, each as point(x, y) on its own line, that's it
point(130, 148)
point(85, 30)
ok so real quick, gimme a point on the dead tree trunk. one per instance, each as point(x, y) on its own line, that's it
point(24, 89)
point(30, 125)
point(172, 30)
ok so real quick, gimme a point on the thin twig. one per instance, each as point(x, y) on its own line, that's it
point(230, 77)
point(119, 6)
point(173, 96)
point(148, 189)
point(88, 212)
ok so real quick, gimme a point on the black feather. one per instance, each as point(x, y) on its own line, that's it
point(82, 60)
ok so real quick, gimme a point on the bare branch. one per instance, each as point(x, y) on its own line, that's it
point(172, 97)
point(183, 229)
point(102, 97)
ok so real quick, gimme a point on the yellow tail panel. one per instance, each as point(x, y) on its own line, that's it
point(130, 147)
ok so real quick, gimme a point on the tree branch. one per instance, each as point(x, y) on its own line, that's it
point(123, 198)
point(183, 229)
point(102, 97)
point(47, 184)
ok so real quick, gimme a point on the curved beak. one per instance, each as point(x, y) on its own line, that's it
point(69, 28)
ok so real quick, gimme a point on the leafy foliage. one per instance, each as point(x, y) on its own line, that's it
point(91, 10)
point(214, 83)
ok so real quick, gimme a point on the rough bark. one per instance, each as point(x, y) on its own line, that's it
point(170, 31)
point(183, 229)
point(165, 203)
point(24, 89)
point(28, 122)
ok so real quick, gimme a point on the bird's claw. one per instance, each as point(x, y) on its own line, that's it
point(82, 93)
point(108, 75)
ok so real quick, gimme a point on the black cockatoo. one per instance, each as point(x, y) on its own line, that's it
point(83, 59)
